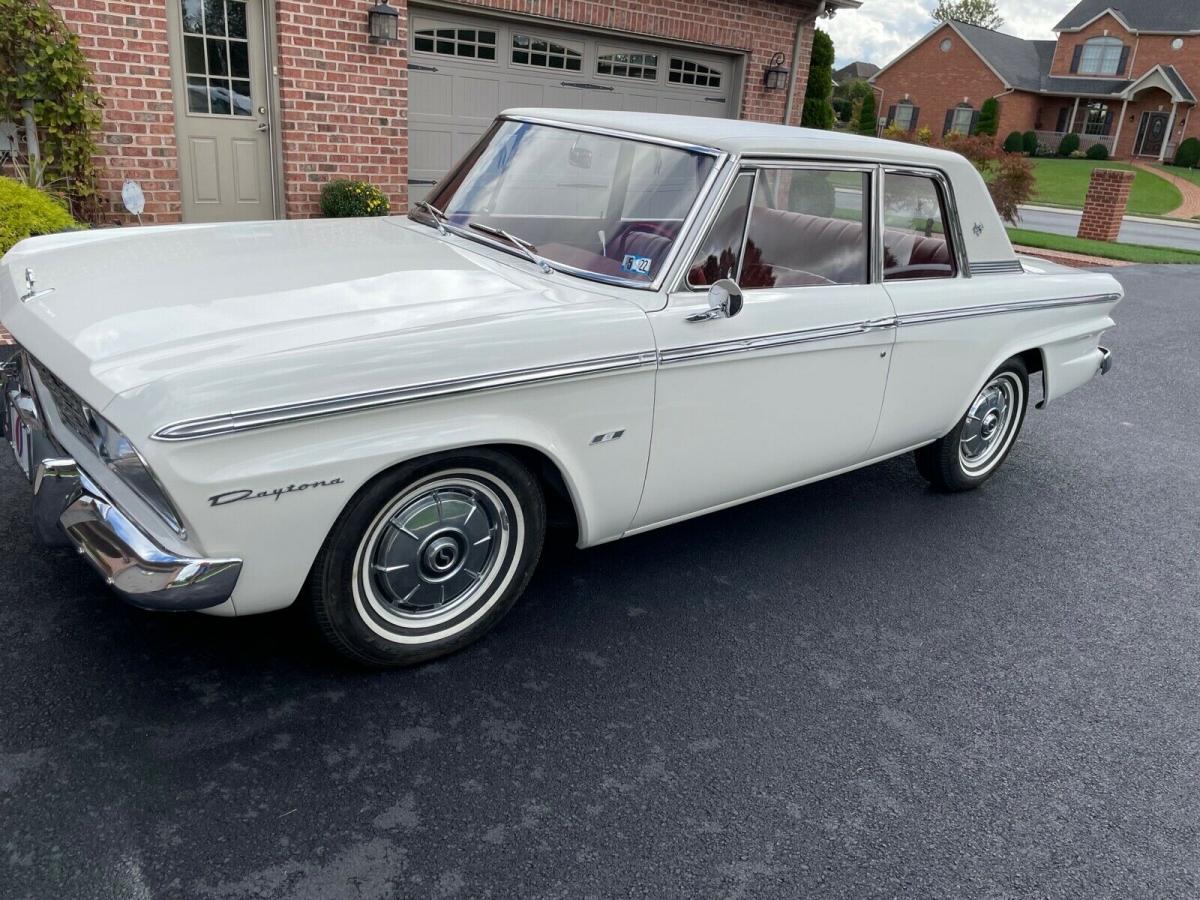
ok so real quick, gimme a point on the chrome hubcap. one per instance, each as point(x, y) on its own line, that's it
point(989, 423)
point(434, 552)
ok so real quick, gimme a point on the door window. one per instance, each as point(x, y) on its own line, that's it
point(916, 235)
point(470, 43)
point(807, 227)
point(216, 57)
point(691, 72)
point(535, 51)
point(721, 249)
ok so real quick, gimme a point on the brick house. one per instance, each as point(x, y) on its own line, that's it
point(1118, 76)
point(242, 109)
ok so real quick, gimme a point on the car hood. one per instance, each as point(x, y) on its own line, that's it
point(132, 306)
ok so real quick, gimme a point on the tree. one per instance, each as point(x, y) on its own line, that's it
point(989, 117)
point(974, 12)
point(866, 116)
point(818, 112)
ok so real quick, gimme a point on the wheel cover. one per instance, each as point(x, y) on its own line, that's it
point(434, 552)
point(990, 424)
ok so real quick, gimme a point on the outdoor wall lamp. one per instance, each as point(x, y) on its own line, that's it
point(382, 21)
point(776, 76)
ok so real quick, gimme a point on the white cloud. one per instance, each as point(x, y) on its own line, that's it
point(882, 29)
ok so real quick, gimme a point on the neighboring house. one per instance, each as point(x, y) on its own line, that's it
point(1119, 76)
point(856, 71)
point(242, 109)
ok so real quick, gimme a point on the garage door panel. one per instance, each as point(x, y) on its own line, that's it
point(462, 73)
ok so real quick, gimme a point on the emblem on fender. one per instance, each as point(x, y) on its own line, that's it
point(228, 497)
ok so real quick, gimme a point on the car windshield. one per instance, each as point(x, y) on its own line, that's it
point(590, 204)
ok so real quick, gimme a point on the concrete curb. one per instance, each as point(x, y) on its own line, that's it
point(1146, 220)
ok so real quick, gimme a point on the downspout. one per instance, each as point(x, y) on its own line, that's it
point(791, 94)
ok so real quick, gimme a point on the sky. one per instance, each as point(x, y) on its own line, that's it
point(881, 29)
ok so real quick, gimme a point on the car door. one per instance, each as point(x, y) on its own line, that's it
point(789, 388)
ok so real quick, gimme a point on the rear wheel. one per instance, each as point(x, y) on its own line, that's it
point(428, 558)
point(976, 448)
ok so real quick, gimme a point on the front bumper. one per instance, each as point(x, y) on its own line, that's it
point(69, 508)
point(1106, 360)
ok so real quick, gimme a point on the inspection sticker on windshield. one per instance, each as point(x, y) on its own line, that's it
point(638, 265)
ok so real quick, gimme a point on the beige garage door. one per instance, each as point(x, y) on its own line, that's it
point(463, 70)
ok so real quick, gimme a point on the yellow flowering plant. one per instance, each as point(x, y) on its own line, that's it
point(344, 198)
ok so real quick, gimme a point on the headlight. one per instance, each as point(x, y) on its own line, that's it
point(118, 453)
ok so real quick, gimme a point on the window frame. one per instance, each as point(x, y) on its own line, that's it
point(1105, 124)
point(712, 69)
point(568, 46)
point(911, 108)
point(603, 50)
point(435, 25)
point(951, 224)
point(957, 110)
point(1106, 43)
point(715, 202)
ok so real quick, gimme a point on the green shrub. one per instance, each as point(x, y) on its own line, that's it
point(989, 117)
point(1014, 143)
point(1097, 151)
point(344, 199)
point(26, 212)
point(1069, 144)
point(1188, 154)
point(1029, 143)
point(866, 116)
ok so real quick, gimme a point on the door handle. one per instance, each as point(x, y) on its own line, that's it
point(879, 324)
point(263, 126)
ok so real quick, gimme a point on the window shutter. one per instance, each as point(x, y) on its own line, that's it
point(1108, 120)
point(916, 114)
point(1062, 120)
point(974, 122)
point(1075, 58)
point(949, 122)
point(891, 116)
point(1124, 60)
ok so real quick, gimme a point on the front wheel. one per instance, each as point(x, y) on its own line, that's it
point(428, 558)
point(978, 445)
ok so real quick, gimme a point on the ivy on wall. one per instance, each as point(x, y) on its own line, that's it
point(43, 71)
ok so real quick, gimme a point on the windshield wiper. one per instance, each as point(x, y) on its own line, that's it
point(439, 217)
point(525, 247)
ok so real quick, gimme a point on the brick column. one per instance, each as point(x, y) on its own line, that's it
point(1107, 198)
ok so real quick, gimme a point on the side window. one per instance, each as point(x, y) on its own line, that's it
point(916, 242)
point(721, 249)
point(808, 227)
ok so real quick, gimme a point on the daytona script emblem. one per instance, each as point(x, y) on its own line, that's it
point(251, 494)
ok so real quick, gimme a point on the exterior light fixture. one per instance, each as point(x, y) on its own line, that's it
point(382, 21)
point(776, 76)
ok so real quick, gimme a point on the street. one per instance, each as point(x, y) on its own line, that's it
point(856, 689)
point(1153, 234)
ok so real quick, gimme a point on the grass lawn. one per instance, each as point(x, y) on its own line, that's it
point(1064, 182)
point(1192, 175)
point(1137, 253)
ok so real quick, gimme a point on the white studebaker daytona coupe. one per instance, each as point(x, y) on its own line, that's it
point(627, 319)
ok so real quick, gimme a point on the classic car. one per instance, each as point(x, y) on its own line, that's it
point(613, 320)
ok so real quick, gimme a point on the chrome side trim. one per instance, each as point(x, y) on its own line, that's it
point(998, 267)
point(247, 420)
point(770, 341)
point(971, 312)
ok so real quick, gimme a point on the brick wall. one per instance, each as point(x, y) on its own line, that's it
point(344, 101)
point(126, 44)
point(936, 81)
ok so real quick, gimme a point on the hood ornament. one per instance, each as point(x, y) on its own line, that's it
point(32, 293)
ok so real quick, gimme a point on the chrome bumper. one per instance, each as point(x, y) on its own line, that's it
point(1106, 360)
point(69, 508)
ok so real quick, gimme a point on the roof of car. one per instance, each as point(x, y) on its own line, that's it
point(737, 136)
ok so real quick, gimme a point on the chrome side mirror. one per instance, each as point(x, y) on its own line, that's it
point(724, 301)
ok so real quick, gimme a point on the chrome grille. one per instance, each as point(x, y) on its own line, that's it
point(67, 404)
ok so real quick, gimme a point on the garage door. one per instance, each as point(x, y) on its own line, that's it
point(463, 70)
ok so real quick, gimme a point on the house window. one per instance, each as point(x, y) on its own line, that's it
point(1099, 119)
point(960, 119)
point(470, 43)
point(905, 116)
point(1101, 56)
point(216, 57)
point(620, 64)
point(535, 51)
point(688, 71)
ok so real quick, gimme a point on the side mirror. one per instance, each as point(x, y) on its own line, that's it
point(724, 301)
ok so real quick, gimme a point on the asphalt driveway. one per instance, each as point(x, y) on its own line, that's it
point(856, 689)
